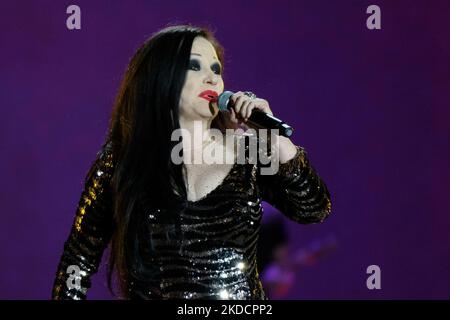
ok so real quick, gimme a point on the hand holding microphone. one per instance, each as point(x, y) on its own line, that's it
point(245, 106)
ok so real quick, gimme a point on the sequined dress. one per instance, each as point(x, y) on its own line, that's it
point(217, 259)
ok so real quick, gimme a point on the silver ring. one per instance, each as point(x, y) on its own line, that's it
point(250, 94)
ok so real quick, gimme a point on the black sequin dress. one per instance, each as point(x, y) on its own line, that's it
point(217, 258)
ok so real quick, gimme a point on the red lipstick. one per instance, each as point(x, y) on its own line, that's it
point(209, 95)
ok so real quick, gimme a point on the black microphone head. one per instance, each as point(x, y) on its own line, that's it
point(222, 101)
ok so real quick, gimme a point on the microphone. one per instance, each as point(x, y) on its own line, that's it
point(258, 118)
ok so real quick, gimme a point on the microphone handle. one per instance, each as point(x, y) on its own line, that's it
point(262, 120)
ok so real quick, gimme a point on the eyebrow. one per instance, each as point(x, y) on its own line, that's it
point(198, 54)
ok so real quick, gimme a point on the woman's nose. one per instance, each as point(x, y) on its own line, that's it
point(212, 79)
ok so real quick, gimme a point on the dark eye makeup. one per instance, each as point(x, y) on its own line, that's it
point(194, 64)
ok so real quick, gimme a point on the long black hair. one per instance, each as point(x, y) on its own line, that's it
point(144, 116)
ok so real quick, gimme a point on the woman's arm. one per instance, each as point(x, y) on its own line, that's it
point(296, 189)
point(90, 233)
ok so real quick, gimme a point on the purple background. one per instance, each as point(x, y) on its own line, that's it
point(370, 107)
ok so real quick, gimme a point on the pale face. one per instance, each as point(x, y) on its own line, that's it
point(204, 73)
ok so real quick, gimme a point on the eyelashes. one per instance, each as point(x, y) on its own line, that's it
point(194, 65)
point(216, 68)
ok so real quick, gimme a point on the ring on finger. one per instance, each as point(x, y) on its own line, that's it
point(250, 94)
